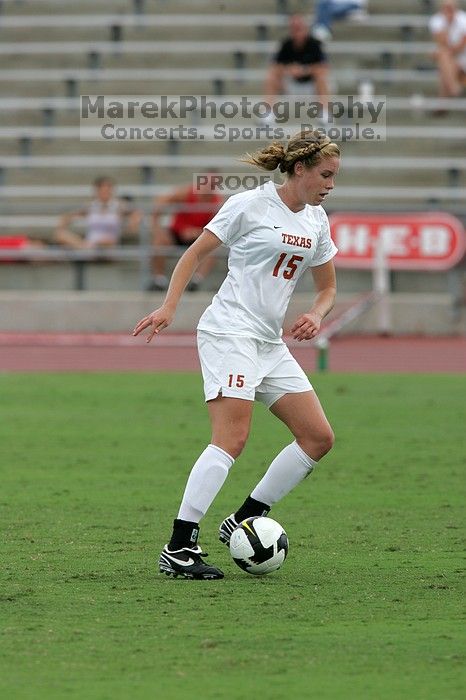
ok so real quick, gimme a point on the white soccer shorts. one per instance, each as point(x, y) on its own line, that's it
point(247, 368)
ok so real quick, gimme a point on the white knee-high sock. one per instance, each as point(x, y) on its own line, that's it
point(288, 468)
point(205, 481)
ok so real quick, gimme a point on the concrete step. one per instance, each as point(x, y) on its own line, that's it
point(49, 7)
point(181, 7)
point(341, 31)
point(400, 141)
point(221, 61)
point(67, 133)
point(345, 197)
point(53, 202)
point(144, 33)
point(126, 276)
point(30, 111)
point(166, 176)
point(108, 312)
point(153, 79)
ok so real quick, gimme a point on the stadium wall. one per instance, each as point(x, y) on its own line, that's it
point(117, 312)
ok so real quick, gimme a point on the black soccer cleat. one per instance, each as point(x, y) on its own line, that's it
point(187, 563)
point(226, 529)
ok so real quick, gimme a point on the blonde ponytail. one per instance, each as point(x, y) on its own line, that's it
point(309, 147)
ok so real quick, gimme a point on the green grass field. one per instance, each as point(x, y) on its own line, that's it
point(367, 605)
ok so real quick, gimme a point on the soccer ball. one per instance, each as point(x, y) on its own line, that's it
point(259, 545)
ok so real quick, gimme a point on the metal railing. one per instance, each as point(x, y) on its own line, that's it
point(81, 259)
point(393, 21)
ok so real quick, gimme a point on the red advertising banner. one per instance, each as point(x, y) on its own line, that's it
point(412, 241)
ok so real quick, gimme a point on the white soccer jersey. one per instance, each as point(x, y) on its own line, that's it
point(270, 248)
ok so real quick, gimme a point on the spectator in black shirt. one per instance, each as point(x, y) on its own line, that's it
point(299, 60)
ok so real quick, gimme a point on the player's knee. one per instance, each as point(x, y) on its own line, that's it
point(233, 442)
point(237, 443)
point(317, 444)
point(325, 441)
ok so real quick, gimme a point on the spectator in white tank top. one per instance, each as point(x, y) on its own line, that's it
point(106, 218)
point(448, 28)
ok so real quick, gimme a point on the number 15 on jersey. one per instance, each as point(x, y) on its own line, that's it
point(289, 269)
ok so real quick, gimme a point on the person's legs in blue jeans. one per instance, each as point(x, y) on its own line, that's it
point(328, 10)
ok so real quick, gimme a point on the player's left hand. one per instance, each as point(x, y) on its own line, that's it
point(306, 326)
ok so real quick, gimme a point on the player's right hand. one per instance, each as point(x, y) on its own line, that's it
point(156, 321)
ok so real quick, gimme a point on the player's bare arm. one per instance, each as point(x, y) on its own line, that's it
point(184, 270)
point(307, 325)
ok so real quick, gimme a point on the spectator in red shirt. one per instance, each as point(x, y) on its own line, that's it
point(195, 208)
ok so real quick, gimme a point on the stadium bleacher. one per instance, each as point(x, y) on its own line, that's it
point(50, 54)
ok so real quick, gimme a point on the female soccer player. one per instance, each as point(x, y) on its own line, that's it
point(274, 234)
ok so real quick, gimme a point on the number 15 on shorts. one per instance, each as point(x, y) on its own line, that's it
point(236, 380)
